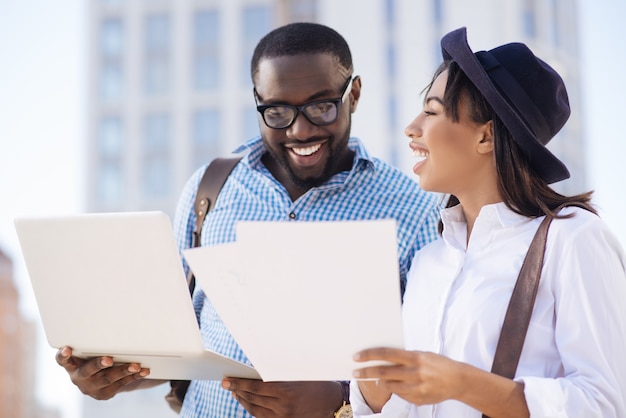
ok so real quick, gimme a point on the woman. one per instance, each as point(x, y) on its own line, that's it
point(482, 138)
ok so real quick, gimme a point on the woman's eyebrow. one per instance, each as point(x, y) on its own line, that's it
point(435, 98)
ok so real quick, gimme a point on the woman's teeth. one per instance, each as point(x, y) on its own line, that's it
point(421, 154)
point(306, 151)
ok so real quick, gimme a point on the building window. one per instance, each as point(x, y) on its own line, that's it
point(156, 171)
point(391, 60)
point(206, 136)
point(111, 82)
point(156, 132)
point(110, 185)
point(157, 54)
point(303, 10)
point(555, 27)
point(437, 12)
point(389, 12)
point(110, 145)
point(111, 58)
point(393, 123)
point(393, 112)
point(529, 22)
point(110, 141)
point(112, 38)
point(206, 74)
point(251, 123)
point(437, 25)
point(257, 21)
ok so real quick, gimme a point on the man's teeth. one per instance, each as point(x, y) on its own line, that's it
point(420, 153)
point(306, 151)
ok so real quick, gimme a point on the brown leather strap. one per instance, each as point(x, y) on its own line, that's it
point(211, 183)
point(209, 188)
point(517, 317)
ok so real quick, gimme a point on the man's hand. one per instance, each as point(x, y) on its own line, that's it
point(98, 377)
point(286, 399)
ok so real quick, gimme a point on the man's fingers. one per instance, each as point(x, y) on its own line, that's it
point(251, 398)
point(99, 377)
point(82, 368)
point(253, 409)
point(109, 387)
point(250, 385)
point(65, 359)
point(93, 366)
point(106, 382)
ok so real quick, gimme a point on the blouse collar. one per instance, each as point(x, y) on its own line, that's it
point(491, 217)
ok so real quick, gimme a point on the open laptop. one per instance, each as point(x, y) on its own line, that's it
point(113, 284)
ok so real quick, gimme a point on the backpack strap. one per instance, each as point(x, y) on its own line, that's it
point(211, 183)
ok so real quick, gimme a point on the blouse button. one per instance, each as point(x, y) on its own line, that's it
point(292, 215)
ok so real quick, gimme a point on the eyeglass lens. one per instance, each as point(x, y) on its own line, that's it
point(320, 112)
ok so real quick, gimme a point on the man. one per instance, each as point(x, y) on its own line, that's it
point(304, 167)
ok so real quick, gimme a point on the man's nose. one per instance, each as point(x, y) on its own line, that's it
point(301, 128)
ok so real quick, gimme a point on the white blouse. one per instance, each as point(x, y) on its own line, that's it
point(573, 363)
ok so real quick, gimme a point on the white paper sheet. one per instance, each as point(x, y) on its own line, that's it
point(301, 298)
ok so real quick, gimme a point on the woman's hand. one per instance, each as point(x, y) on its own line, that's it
point(424, 378)
point(416, 376)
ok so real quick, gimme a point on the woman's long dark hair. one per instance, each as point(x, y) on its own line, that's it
point(522, 189)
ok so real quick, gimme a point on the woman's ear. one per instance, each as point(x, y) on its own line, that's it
point(355, 93)
point(486, 143)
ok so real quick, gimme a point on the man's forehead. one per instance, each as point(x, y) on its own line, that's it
point(304, 76)
point(287, 67)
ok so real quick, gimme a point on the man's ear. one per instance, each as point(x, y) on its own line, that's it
point(355, 93)
point(486, 143)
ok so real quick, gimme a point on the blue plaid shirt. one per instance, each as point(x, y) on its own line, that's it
point(370, 190)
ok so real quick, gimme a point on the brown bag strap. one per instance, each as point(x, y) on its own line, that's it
point(211, 183)
point(519, 311)
point(209, 188)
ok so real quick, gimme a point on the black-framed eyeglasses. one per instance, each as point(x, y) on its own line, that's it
point(319, 112)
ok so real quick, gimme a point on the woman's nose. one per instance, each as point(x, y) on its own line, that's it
point(414, 129)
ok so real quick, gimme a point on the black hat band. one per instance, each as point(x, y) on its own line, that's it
point(527, 110)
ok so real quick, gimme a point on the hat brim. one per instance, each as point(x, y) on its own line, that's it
point(454, 46)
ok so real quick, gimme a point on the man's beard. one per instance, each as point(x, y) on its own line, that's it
point(309, 182)
point(336, 148)
point(330, 165)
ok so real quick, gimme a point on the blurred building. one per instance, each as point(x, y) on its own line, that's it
point(396, 49)
point(170, 87)
point(17, 354)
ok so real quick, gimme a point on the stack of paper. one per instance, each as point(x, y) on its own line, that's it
point(301, 298)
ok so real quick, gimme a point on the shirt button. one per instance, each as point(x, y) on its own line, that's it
point(292, 215)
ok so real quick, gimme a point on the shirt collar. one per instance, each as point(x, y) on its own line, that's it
point(490, 217)
point(256, 149)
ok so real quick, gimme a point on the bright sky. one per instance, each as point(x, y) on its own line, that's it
point(42, 123)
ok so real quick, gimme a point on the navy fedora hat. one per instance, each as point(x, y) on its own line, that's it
point(527, 94)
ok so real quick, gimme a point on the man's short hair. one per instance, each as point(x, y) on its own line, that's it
point(301, 38)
